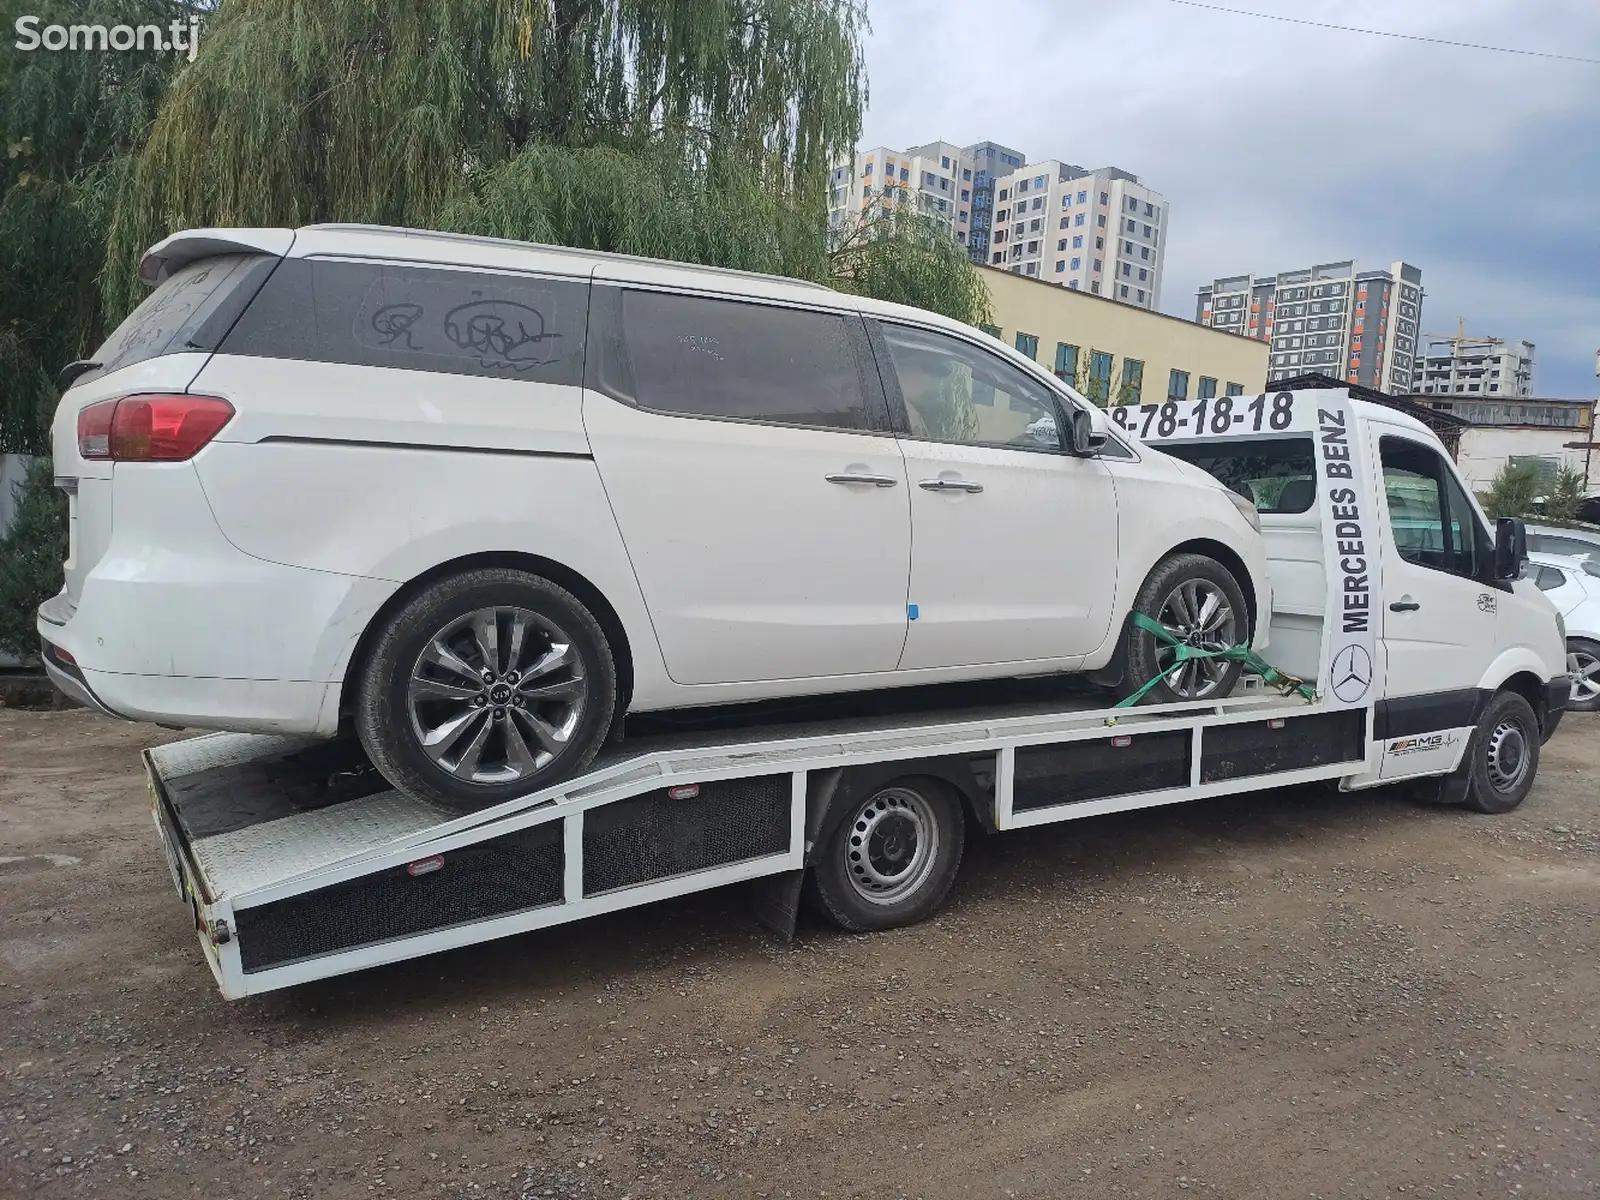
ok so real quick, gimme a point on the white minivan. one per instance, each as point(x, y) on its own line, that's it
point(476, 499)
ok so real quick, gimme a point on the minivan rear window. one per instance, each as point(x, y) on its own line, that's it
point(190, 310)
point(1277, 474)
point(755, 362)
point(420, 318)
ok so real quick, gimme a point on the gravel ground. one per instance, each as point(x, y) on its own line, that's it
point(1296, 994)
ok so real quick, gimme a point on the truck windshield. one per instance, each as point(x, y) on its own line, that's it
point(1276, 474)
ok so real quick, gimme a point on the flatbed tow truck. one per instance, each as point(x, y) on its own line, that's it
point(297, 861)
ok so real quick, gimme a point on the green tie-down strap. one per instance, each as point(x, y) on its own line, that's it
point(1185, 652)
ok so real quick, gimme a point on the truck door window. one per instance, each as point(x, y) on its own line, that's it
point(1429, 515)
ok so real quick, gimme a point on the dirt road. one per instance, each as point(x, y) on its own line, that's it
point(1298, 994)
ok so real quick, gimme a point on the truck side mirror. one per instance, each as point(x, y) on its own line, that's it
point(1086, 440)
point(1510, 548)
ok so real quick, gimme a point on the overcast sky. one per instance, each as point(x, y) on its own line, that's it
point(1280, 145)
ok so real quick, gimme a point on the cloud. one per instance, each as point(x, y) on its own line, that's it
point(1281, 145)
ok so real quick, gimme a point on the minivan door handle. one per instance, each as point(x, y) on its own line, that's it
point(950, 485)
point(853, 477)
point(1404, 604)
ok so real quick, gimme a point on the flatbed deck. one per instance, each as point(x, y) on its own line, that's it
point(299, 861)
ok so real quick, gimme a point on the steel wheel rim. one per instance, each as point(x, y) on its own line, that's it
point(890, 848)
point(1197, 613)
point(496, 695)
point(1586, 685)
point(1507, 755)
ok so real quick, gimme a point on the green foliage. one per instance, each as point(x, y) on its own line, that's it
point(315, 110)
point(910, 258)
point(659, 202)
point(31, 553)
point(67, 121)
point(1563, 494)
point(51, 250)
point(1513, 490)
point(1107, 393)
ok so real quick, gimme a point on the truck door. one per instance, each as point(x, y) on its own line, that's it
point(1439, 617)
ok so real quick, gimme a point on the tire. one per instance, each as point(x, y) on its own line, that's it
point(869, 877)
point(406, 693)
point(1504, 755)
point(1176, 580)
point(1585, 697)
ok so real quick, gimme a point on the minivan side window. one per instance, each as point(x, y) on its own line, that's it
point(733, 359)
point(1429, 515)
point(954, 392)
point(421, 318)
point(1548, 579)
point(189, 310)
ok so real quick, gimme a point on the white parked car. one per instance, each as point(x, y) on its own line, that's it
point(1572, 584)
point(1565, 541)
point(478, 499)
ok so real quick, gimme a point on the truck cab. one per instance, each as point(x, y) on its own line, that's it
point(1385, 569)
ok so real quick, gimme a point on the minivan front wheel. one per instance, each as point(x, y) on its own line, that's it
point(1200, 604)
point(485, 686)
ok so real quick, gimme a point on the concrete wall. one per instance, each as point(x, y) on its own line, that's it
point(1056, 314)
point(1485, 449)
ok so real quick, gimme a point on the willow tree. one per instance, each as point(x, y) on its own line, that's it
point(911, 257)
point(695, 128)
point(68, 121)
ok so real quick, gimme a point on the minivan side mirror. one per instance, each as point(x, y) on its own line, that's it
point(1510, 549)
point(1086, 440)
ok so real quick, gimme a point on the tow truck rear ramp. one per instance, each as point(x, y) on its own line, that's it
point(298, 863)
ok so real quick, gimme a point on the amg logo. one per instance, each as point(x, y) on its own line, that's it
point(1422, 744)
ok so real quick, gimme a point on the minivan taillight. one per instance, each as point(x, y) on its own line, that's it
point(150, 428)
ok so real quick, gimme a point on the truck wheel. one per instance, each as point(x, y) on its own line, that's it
point(1198, 600)
point(893, 860)
point(1504, 755)
point(486, 686)
point(1586, 688)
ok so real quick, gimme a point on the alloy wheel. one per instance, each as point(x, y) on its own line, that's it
point(1197, 613)
point(496, 695)
point(1586, 681)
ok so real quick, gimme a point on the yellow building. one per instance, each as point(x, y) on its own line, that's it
point(1117, 352)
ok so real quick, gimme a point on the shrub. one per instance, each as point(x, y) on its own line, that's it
point(31, 553)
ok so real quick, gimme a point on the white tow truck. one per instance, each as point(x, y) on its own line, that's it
point(1428, 658)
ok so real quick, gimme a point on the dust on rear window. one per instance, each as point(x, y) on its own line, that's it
point(172, 317)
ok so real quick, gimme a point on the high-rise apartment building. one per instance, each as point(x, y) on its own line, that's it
point(1458, 365)
point(1099, 231)
point(953, 183)
point(1359, 326)
point(987, 161)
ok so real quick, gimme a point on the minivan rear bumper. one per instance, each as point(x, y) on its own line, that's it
point(67, 677)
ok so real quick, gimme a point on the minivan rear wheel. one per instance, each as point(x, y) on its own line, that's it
point(485, 686)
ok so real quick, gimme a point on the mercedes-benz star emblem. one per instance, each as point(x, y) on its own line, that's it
point(1352, 673)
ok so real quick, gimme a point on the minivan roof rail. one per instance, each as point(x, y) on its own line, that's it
point(605, 255)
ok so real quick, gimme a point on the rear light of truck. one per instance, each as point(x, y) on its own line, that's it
point(154, 428)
